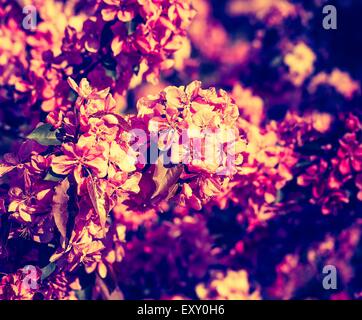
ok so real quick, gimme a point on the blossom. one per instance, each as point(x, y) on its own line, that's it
point(338, 79)
point(251, 107)
point(328, 179)
point(232, 286)
point(198, 127)
point(300, 62)
point(83, 249)
point(61, 287)
point(350, 154)
point(271, 12)
point(267, 168)
point(78, 157)
point(17, 286)
point(123, 11)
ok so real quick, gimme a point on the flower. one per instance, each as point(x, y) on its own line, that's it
point(270, 12)
point(234, 285)
point(251, 107)
point(124, 11)
point(349, 154)
point(300, 62)
point(22, 285)
point(80, 157)
point(338, 79)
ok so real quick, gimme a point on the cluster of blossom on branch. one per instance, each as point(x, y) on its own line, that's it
point(151, 151)
point(114, 44)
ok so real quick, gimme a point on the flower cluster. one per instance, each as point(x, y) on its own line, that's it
point(114, 44)
point(198, 128)
point(63, 184)
point(328, 177)
point(146, 35)
point(20, 285)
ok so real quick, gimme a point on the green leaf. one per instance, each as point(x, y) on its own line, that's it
point(165, 178)
point(111, 73)
point(303, 164)
point(47, 270)
point(60, 207)
point(99, 201)
point(84, 294)
point(51, 176)
point(45, 136)
point(276, 61)
point(72, 96)
point(131, 27)
point(279, 196)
